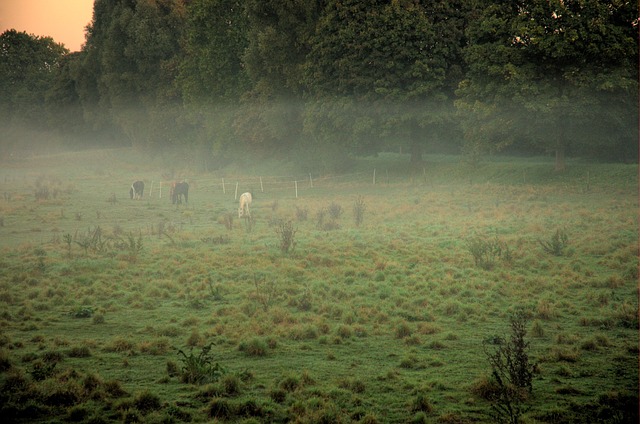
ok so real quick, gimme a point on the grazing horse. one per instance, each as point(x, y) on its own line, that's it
point(177, 191)
point(245, 202)
point(136, 190)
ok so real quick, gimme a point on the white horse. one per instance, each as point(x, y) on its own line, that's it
point(245, 202)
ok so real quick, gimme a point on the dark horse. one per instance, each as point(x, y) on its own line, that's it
point(177, 191)
point(136, 190)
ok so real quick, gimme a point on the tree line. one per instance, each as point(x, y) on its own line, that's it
point(323, 80)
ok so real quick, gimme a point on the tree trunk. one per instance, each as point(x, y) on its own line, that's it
point(561, 165)
point(416, 154)
point(416, 148)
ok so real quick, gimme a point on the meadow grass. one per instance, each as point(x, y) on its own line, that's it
point(375, 312)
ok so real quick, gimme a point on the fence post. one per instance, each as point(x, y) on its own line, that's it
point(160, 191)
point(151, 191)
point(374, 176)
point(223, 189)
point(296, 183)
point(261, 187)
point(236, 195)
point(310, 181)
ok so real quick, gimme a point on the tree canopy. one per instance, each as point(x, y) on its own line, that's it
point(557, 73)
point(219, 77)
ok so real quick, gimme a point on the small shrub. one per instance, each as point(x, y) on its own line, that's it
point(266, 291)
point(200, 368)
point(556, 244)
point(334, 210)
point(512, 373)
point(486, 252)
point(287, 234)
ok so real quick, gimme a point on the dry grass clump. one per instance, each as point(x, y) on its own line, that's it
point(156, 347)
point(403, 330)
point(120, 345)
point(254, 347)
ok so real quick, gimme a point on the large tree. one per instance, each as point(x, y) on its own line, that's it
point(213, 76)
point(554, 72)
point(130, 62)
point(28, 66)
point(382, 72)
point(279, 34)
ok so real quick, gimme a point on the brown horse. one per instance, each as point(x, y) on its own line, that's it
point(178, 190)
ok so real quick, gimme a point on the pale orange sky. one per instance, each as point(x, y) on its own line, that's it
point(62, 20)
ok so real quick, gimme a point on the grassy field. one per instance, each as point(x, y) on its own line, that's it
point(116, 310)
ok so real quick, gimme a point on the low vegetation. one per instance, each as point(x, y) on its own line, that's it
point(467, 295)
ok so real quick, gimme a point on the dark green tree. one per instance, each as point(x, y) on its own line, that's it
point(279, 33)
point(212, 69)
point(560, 74)
point(129, 66)
point(28, 65)
point(384, 72)
point(64, 110)
point(213, 76)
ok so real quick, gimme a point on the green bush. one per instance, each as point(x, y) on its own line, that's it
point(486, 252)
point(556, 245)
point(200, 368)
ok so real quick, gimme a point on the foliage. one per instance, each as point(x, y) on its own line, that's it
point(206, 80)
point(512, 372)
point(287, 234)
point(539, 71)
point(28, 65)
point(368, 83)
point(358, 210)
point(266, 291)
point(557, 244)
point(134, 246)
point(334, 210)
point(201, 368)
point(487, 251)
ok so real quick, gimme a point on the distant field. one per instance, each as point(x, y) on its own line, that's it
point(143, 311)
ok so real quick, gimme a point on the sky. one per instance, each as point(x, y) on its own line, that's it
point(62, 20)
